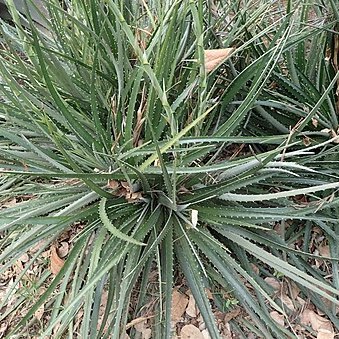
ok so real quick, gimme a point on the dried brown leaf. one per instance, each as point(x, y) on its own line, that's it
point(324, 250)
point(24, 258)
point(113, 184)
point(8, 203)
point(273, 282)
point(63, 249)
point(147, 333)
point(3, 328)
point(231, 315)
point(255, 268)
point(179, 304)
point(287, 302)
point(192, 309)
point(56, 262)
point(295, 290)
point(205, 334)
point(135, 322)
point(321, 325)
point(36, 247)
point(278, 318)
point(215, 57)
point(191, 332)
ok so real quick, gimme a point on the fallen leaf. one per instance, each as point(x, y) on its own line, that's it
point(3, 328)
point(36, 247)
point(301, 301)
point(255, 268)
point(209, 294)
point(133, 197)
point(102, 308)
point(136, 323)
point(273, 282)
point(39, 312)
point(227, 334)
point(8, 203)
point(140, 326)
point(278, 318)
point(147, 333)
point(324, 334)
point(295, 290)
point(179, 304)
point(324, 250)
point(113, 184)
point(192, 309)
point(63, 249)
point(215, 57)
point(205, 334)
point(321, 325)
point(191, 332)
point(24, 258)
point(287, 302)
point(56, 262)
point(231, 315)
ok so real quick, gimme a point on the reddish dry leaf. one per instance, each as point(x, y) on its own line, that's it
point(324, 250)
point(277, 317)
point(321, 325)
point(231, 315)
point(147, 333)
point(113, 184)
point(24, 258)
point(215, 57)
point(191, 332)
point(8, 203)
point(273, 282)
point(227, 333)
point(36, 247)
point(56, 262)
point(325, 334)
point(179, 304)
point(255, 268)
point(3, 328)
point(192, 309)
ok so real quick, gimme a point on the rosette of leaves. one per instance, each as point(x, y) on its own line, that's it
point(115, 96)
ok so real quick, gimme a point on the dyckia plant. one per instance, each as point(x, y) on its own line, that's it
point(113, 128)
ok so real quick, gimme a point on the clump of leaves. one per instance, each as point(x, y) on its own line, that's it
point(119, 97)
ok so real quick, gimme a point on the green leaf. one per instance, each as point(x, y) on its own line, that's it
point(115, 232)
